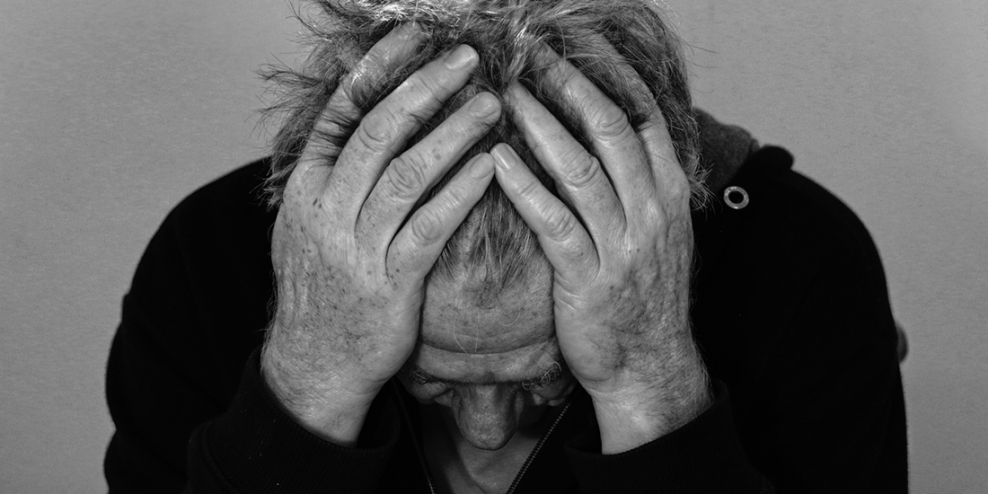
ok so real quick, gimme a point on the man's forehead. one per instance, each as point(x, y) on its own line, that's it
point(525, 364)
point(522, 315)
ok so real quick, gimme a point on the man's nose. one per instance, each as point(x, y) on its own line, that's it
point(487, 415)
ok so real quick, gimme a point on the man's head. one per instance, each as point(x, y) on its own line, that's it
point(491, 371)
point(487, 349)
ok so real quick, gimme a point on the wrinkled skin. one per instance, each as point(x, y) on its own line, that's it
point(351, 271)
point(621, 275)
point(493, 370)
point(350, 276)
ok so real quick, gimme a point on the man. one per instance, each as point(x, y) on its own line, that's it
point(482, 254)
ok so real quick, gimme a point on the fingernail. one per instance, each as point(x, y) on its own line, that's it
point(404, 37)
point(414, 28)
point(514, 90)
point(460, 57)
point(407, 30)
point(482, 166)
point(503, 156)
point(516, 95)
point(483, 104)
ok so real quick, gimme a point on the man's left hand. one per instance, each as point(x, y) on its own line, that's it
point(620, 246)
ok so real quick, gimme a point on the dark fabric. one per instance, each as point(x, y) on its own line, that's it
point(790, 311)
point(723, 149)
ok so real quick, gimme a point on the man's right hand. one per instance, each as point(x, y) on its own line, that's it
point(349, 253)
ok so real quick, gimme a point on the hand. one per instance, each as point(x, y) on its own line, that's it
point(349, 267)
point(621, 256)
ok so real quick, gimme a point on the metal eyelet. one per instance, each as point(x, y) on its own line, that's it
point(735, 197)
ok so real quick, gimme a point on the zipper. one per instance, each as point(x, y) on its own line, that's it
point(521, 473)
point(538, 446)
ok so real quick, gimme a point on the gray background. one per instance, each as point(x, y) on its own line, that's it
point(112, 110)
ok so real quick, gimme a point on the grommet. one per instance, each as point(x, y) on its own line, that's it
point(735, 197)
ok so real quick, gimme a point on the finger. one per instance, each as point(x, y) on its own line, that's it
point(385, 129)
point(607, 127)
point(563, 239)
point(668, 173)
point(409, 176)
point(417, 246)
point(578, 175)
point(366, 79)
point(670, 178)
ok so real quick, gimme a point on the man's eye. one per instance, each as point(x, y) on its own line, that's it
point(532, 384)
point(549, 377)
point(421, 379)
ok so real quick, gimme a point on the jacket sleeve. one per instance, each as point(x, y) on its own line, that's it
point(184, 390)
point(795, 324)
point(703, 456)
point(831, 400)
point(256, 448)
point(841, 432)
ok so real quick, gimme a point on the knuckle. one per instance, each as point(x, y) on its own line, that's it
point(376, 131)
point(404, 177)
point(609, 121)
point(559, 223)
point(584, 170)
point(363, 83)
point(456, 197)
point(678, 189)
point(484, 108)
point(305, 184)
point(474, 124)
point(570, 155)
point(324, 125)
point(530, 188)
point(427, 227)
point(426, 84)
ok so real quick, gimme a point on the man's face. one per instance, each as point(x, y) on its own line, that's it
point(493, 370)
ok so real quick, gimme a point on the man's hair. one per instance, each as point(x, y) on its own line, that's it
point(611, 42)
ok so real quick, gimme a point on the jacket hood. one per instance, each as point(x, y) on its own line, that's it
point(723, 149)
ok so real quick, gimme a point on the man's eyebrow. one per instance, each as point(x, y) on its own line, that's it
point(553, 372)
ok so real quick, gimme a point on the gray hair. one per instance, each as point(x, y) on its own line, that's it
point(602, 38)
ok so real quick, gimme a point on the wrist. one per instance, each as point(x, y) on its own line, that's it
point(636, 415)
point(333, 416)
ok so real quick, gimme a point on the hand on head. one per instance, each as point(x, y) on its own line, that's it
point(353, 246)
point(349, 267)
point(620, 242)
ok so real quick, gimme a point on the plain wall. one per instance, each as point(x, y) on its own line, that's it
point(111, 111)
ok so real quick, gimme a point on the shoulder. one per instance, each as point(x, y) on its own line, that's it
point(785, 217)
point(810, 210)
point(236, 196)
point(214, 239)
point(224, 213)
point(220, 226)
point(793, 271)
point(792, 313)
point(204, 282)
point(217, 228)
point(195, 311)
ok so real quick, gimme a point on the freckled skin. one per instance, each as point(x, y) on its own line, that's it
point(619, 239)
point(351, 246)
point(354, 309)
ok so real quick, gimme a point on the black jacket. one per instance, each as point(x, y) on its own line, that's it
point(790, 311)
